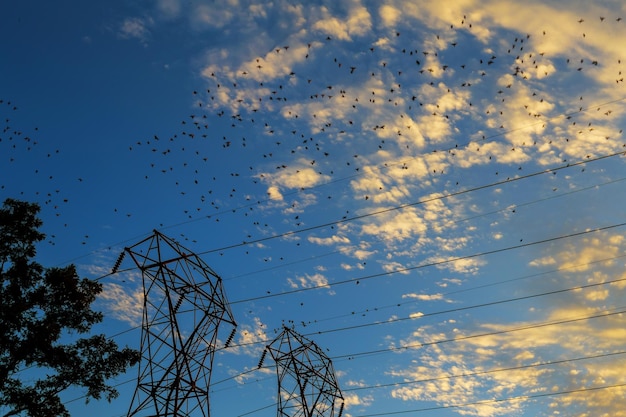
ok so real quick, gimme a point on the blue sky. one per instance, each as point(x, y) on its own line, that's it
point(431, 192)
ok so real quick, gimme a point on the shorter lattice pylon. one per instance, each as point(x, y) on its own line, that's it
point(307, 386)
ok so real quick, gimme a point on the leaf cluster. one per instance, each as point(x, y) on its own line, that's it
point(43, 308)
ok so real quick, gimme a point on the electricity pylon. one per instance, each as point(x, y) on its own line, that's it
point(184, 305)
point(306, 380)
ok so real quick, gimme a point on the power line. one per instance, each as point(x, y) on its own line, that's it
point(465, 308)
point(576, 288)
point(351, 356)
point(433, 263)
point(490, 371)
point(464, 375)
point(433, 313)
point(471, 336)
point(413, 204)
point(479, 286)
point(399, 270)
point(550, 197)
point(447, 223)
point(478, 335)
point(438, 312)
point(454, 310)
point(398, 207)
point(257, 410)
point(498, 400)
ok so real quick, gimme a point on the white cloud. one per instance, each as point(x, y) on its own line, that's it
point(251, 338)
point(447, 281)
point(135, 28)
point(543, 261)
point(211, 16)
point(395, 267)
point(397, 226)
point(170, 8)
point(123, 304)
point(583, 256)
point(357, 23)
point(389, 15)
point(309, 281)
point(329, 240)
point(424, 297)
point(274, 193)
point(277, 62)
point(362, 254)
point(459, 265)
point(297, 177)
point(351, 400)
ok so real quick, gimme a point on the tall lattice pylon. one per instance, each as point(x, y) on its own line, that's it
point(307, 386)
point(184, 305)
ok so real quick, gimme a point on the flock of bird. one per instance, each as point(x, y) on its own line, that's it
point(338, 112)
point(359, 105)
point(18, 146)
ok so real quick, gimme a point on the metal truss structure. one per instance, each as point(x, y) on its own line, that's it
point(306, 380)
point(184, 306)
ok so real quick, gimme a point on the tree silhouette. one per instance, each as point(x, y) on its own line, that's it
point(41, 309)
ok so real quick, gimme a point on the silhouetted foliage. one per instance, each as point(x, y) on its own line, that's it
point(39, 309)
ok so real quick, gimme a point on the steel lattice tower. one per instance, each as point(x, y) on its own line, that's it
point(184, 305)
point(306, 380)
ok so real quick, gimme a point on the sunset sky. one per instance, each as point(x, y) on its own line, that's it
point(431, 191)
